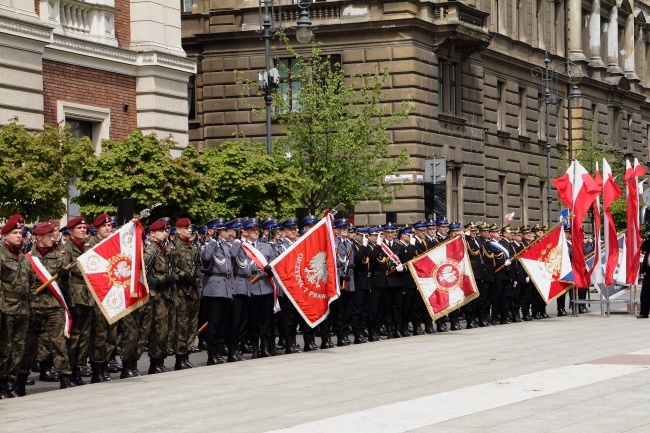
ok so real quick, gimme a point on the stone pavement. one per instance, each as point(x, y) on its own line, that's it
point(560, 374)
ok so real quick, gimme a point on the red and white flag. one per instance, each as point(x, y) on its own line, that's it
point(258, 258)
point(633, 231)
point(510, 216)
point(307, 272)
point(114, 272)
point(444, 277)
point(45, 276)
point(595, 274)
point(577, 190)
point(611, 192)
point(548, 264)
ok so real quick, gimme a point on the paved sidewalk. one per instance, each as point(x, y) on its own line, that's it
point(543, 376)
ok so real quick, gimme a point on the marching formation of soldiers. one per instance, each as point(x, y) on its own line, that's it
point(202, 281)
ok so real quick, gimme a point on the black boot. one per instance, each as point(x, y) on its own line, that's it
point(9, 386)
point(256, 349)
point(359, 337)
point(96, 367)
point(417, 328)
point(441, 326)
point(76, 376)
point(186, 361)
point(3, 388)
point(326, 341)
point(134, 368)
point(232, 353)
point(19, 385)
point(455, 324)
point(310, 343)
point(179, 363)
point(66, 381)
point(264, 349)
point(472, 322)
point(291, 346)
point(396, 330)
point(114, 366)
point(428, 328)
point(46, 374)
point(126, 370)
point(374, 335)
point(405, 330)
point(106, 377)
point(156, 366)
point(212, 356)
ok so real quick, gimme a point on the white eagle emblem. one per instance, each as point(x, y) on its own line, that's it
point(317, 269)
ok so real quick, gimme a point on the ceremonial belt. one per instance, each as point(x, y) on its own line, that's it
point(223, 274)
point(13, 295)
point(247, 277)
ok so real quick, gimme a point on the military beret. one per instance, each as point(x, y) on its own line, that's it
point(158, 225)
point(250, 223)
point(44, 228)
point(74, 222)
point(183, 222)
point(14, 222)
point(102, 219)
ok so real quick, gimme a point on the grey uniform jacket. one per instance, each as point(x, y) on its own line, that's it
point(263, 285)
point(241, 266)
point(345, 260)
point(217, 265)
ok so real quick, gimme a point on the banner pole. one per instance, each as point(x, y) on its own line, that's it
point(54, 278)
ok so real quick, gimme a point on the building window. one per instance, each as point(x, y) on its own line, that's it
point(497, 26)
point(448, 87)
point(501, 105)
point(503, 195)
point(523, 199)
point(539, 22)
point(191, 98)
point(454, 192)
point(630, 133)
point(99, 119)
point(522, 112)
point(615, 125)
point(290, 85)
point(186, 6)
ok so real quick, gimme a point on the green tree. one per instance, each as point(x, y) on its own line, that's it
point(335, 133)
point(244, 180)
point(142, 168)
point(36, 170)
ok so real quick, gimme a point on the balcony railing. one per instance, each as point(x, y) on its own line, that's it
point(82, 19)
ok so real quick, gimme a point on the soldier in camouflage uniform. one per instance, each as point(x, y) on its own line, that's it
point(104, 336)
point(82, 312)
point(14, 307)
point(187, 299)
point(48, 322)
point(161, 290)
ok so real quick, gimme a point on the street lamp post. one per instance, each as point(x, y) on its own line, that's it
point(269, 81)
point(549, 75)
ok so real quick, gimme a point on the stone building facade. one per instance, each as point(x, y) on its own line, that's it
point(106, 67)
point(467, 68)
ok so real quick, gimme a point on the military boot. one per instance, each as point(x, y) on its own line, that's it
point(417, 328)
point(326, 341)
point(396, 330)
point(340, 340)
point(3, 388)
point(46, 373)
point(155, 366)
point(66, 382)
point(256, 349)
point(106, 377)
point(291, 346)
point(134, 368)
point(455, 324)
point(359, 337)
point(264, 349)
point(10, 387)
point(212, 357)
point(404, 330)
point(126, 370)
point(180, 364)
point(441, 326)
point(76, 376)
point(19, 385)
point(114, 366)
point(96, 368)
point(232, 353)
point(186, 361)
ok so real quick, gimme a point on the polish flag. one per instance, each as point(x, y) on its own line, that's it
point(595, 274)
point(633, 232)
point(444, 277)
point(577, 190)
point(611, 192)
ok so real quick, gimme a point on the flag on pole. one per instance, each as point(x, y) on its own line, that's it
point(444, 277)
point(595, 273)
point(611, 192)
point(45, 276)
point(510, 216)
point(258, 258)
point(114, 272)
point(548, 265)
point(633, 230)
point(577, 190)
point(307, 273)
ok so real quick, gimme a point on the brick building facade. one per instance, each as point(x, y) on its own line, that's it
point(467, 68)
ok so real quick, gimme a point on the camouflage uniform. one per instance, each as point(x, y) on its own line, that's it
point(163, 317)
point(48, 324)
point(187, 297)
point(14, 309)
point(79, 341)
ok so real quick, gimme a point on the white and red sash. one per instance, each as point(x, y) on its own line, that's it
point(391, 255)
point(44, 275)
point(258, 258)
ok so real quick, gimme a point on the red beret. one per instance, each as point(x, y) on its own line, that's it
point(183, 222)
point(44, 228)
point(14, 222)
point(75, 222)
point(102, 219)
point(160, 224)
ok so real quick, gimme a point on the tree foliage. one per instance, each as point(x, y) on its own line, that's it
point(335, 133)
point(36, 170)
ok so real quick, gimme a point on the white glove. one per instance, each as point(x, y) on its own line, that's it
point(400, 268)
point(514, 284)
point(527, 280)
point(508, 262)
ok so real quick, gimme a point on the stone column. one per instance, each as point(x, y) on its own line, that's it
point(612, 41)
point(575, 31)
point(628, 46)
point(594, 35)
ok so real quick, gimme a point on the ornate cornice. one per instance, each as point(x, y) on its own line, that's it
point(83, 47)
point(25, 28)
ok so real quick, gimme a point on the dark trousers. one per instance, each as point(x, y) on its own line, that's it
point(645, 296)
point(408, 304)
point(500, 299)
point(394, 302)
point(289, 319)
point(218, 311)
point(357, 305)
point(525, 298)
point(259, 320)
point(486, 290)
point(376, 306)
point(344, 312)
point(238, 320)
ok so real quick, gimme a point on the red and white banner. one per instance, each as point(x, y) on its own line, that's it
point(595, 273)
point(258, 258)
point(307, 272)
point(548, 264)
point(577, 190)
point(114, 272)
point(633, 230)
point(444, 277)
point(45, 276)
point(611, 192)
